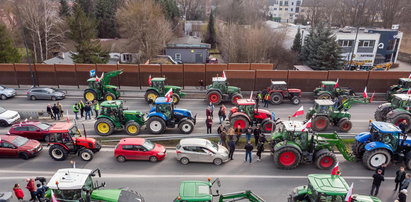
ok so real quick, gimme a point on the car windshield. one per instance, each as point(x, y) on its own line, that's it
point(43, 126)
point(2, 110)
point(212, 145)
point(67, 195)
point(148, 145)
point(51, 90)
point(19, 141)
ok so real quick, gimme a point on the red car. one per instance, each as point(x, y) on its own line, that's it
point(16, 146)
point(38, 130)
point(139, 149)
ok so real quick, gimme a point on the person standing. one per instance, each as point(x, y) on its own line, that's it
point(96, 107)
point(56, 111)
point(257, 98)
point(41, 191)
point(248, 152)
point(32, 189)
point(208, 112)
point(231, 148)
point(238, 132)
point(403, 125)
point(49, 111)
point(231, 133)
point(260, 147)
point(81, 107)
point(257, 132)
point(211, 106)
point(248, 133)
point(399, 177)
point(61, 112)
point(266, 99)
point(209, 124)
point(18, 192)
point(382, 168)
point(91, 106)
point(75, 110)
point(402, 196)
point(223, 137)
point(221, 114)
point(87, 109)
point(406, 182)
point(377, 179)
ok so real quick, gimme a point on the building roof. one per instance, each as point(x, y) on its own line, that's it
point(69, 178)
point(66, 58)
point(326, 183)
point(386, 127)
point(219, 79)
point(324, 102)
point(188, 42)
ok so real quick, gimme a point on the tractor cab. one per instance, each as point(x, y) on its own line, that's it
point(113, 109)
point(248, 106)
point(278, 85)
point(159, 89)
point(327, 85)
point(291, 131)
point(219, 83)
point(158, 83)
point(323, 106)
point(404, 83)
point(401, 101)
point(100, 88)
point(163, 106)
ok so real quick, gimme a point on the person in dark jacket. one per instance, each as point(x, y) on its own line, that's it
point(223, 137)
point(248, 152)
point(56, 111)
point(231, 147)
point(41, 191)
point(403, 126)
point(399, 177)
point(50, 111)
point(221, 114)
point(209, 124)
point(406, 182)
point(81, 107)
point(382, 168)
point(377, 179)
point(402, 196)
point(257, 132)
point(248, 133)
point(260, 146)
point(87, 109)
point(238, 132)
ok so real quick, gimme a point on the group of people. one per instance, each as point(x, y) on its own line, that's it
point(85, 109)
point(55, 111)
point(402, 181)
point(264, 96)
point(210, 114)
point(37, 192)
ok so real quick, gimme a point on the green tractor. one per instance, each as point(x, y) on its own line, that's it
point(326, 187)
point(402, 87)
point(330, 90)
point(158, 89)
point(114, 117)
point(100, 88)
point(220, 91)
point(74, 184)
point(397, 111)
point(191, 191)
point(324, 113)
point(292, 144)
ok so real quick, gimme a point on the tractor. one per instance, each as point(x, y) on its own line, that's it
point(100, 88)
point(385, 142)
point(397, 111)
point(114, 117)
point(324, 113)
point(220, 91)
point(278, 92)
point(202, 191)
point(63, 142)
point(163, 115)
point(326, 187)
point(158, 89)
point(247, 113)
point(292, 144)
point(404, 84)
point(329, 90)
point(75, 184)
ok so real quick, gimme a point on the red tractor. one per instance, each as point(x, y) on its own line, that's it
point(247, 113)
point(63, 142)
point(279, 91)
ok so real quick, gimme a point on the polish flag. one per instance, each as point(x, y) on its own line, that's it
point(372, 96)
point(168, 95)
point(364, 94)
point(251, 95)
point(102, 76)
point(307, 125)
point(336, 83)
point(335, 170)
point(223, 75)
point(409, 91)
point(149, 80)
point(53, 197)
point(97, 79)
point(348, 197)
point(409, 76)
point(299, 112)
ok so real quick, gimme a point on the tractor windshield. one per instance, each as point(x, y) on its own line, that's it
point(148, 145)
point(68, 195)
point(328, 88)
point(74, 131)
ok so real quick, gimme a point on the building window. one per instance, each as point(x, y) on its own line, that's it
point(366, 43)
point(345, 43)
point(275, 9)
point(285, 3)
point(286, 9)
point(281, 3)
point(297, 10)
point(390, 45)
point(177, 56)
point(292, 3)
point(127, 58)
point(280, 9)
point(291, 9)
point(298, 3)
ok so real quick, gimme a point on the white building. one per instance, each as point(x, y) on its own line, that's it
point(284, 10)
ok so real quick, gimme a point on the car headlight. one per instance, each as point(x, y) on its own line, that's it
point(160, 154)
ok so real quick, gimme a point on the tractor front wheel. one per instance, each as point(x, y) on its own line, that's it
point(239, 121)
point(214, 97)
point(109, 97)
point(235, 98)
point(132, 128)
point(320, 123)
point(186, 126)
point(375, 158)
point(345, 125)
point(156, 125)
point(276, 98)
point(90, 95)
point(296, 100)
point(400, 118)
point(151, 95)
point(104, 127)
point(58, 152)
point(287, 158)
point(268, 126)
point(86, 154)
point(176, 98)
point(326, 160)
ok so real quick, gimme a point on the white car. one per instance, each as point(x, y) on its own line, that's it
point(201, 150)
point(8, 117)
point(6, 92)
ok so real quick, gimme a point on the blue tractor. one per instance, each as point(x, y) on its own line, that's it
point(385, 142)
point(163, 115)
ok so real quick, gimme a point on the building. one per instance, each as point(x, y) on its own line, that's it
point(195, 28)
point(188, 50)
point(115, 58)
point(284, 10)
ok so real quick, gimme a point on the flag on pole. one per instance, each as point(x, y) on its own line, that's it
point(67, 117)
point(149, 80)
point(168, 95)
point(348, 197)
point(102, 76)
point(251, 95)
point(223, 75)
point(53, 197)
point(364, 94)
point(409, 91)
point(336, 83)
point(299, 112)
point(409, 76)
point(307, 125)
point(335, 170)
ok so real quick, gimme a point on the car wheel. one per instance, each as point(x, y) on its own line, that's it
point(53, 98)
point(121, 159)
point(32, 97)
point(217, 162)
point(86, 154)
point(3, 97)
point(153, 159)
point(184, 161)
point(24, 156)
point(3, 123)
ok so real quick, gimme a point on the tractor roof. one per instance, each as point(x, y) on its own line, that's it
point(293, 125)
point(324, 102)
point(246, 102)
point(405, 79)
point(386, 127)
point(195, 190)
point(403, 96)
point(69, 178)
point(158, 79)
point(329, 184)
point(111, 103)
point(278, 83)
point(219, 79)
point(61, 127)
point(162, 100)
point(328, 82)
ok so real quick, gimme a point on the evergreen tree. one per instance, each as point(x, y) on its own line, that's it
point(8, 53)
point(64, 9)
point(83, 33)
point(87, 6)
point(106, 18)
point(211, 36)
point(297, 42)
point(170, 10)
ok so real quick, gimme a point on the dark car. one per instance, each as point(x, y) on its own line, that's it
point(38, 130)
point(45, 93)
point(16, 146)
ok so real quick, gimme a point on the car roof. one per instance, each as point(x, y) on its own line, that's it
point(195, 190)
point(69, 178)
point(324, 102)
point(8, 138)
point(246, 102)
point(27, 123)
point(328, 82)
point(162, 100)
point(406, 79)
point(32, 88)
point(219, 79)
point(138, 141)
point(386, 127)
point(403, 96)
point(329, 184)
point(278, 83)
point(193, 142)
point(111, 103)
point(158, 79)
point(293, 125)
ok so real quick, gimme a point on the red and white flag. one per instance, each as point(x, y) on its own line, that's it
point(299, 112)
point(53, 197)
point(307, 125)
point(168, 95)
point(335, 170)
point(251, 95)
point(409, 91)
point(364, 94)
point(372, 96)
point(409, 76)
point(348, 197)
point(336, 83)
point(149, 80)
point(223, 75)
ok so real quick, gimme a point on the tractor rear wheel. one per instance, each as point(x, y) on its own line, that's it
point(235, 98)
point(90, 95)
point(132, 128)
point(109, 97)
point(320, 123)
point(276, 98)
point(151, 95)
point(214, 97)
point(176, 98)
point(296, 100)
point(326, 160)
point(86, 154)
point(324, 96)
point(186, 126)
point(345, 125)
point(381, 113)
point(287, 158)
point(58, 152)
point(374, 158)
point(400, 118)
point(156, 125)
point(268, 126)
point(104, 127)
point(239, 120)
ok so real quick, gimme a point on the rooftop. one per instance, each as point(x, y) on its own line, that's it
point(66, 58)
point(293, 125)
point(386, 127)
point(188, 42)
point(324, 102)
point(197, 190)
point(326, 183)
point(69, 178)
point(278, 83)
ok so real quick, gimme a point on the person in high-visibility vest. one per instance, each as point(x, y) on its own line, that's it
point(75, 109)
point(96, 107)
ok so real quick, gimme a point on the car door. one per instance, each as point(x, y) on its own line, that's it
point(201, 154)
point(140, 152)
point(208, 155)
point(7, 149)
point(34, 132)
point(46, 94)
point(128, 152)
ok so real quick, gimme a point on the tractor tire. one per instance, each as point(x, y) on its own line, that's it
point(399, 118)
point(296, 100)
point(320, 123)
point(324, 96)
point(186, 126)
point(374, 158)
point(287, 158)
point(344, 125)
point(156, 125)
point(151, 95)
point(58, 152)
point(86, 154)
point(326, 160)
point(90, 95)
point(176, 98)
point(235, 97)
point(109, 96)
point(276, 98)
point(408, 160)
point(358, 149)
point(132, 128)
point(244, 123)
point(214, 97)
point(268, 126)
point(381, 114)
point(104, 127)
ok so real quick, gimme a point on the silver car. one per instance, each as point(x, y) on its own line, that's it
point(6, 92)
point(201, 150)
point(45, 93)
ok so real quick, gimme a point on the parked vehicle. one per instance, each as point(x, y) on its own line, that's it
point(201, 150)
point(398, 110)
point(159, 89)
point(404, 84)
point(8, 117)
point(220, 91)
point(247, 113)
point(329, 90)
point(100, 88)
point(139, 149)
point(39, 130)
point(45, 93)
point(16, 146)
point(6, 93)
point(279, 91)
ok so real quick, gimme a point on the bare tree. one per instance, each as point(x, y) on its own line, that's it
point(245, 12)
point(391, 11)
point(193, 9)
